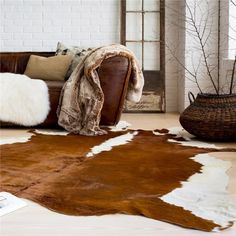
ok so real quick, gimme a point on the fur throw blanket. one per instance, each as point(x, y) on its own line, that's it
point(24, 101)
point(82, 99)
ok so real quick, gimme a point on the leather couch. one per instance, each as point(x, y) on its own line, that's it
point(114, 75)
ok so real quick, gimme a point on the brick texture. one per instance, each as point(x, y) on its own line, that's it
point(40, 24)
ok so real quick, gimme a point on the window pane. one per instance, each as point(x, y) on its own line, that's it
point(232, 30)
point(136, 48)
point(152, 26)
point(151, 5)
point(151, 56)
point(133, 26)
point(133, 5)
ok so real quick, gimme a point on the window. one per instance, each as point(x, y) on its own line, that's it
point(227, 42)
point(232, 29)
point(142, 31)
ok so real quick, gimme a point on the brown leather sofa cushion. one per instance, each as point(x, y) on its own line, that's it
point(114, 75)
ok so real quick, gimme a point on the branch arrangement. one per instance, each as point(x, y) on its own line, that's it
point(232, 77)
point(199, 26)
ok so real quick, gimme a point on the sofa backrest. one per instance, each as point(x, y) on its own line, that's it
point(16, 62)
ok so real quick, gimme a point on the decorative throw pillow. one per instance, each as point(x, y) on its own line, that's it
point(48, 68)
point(78, 53)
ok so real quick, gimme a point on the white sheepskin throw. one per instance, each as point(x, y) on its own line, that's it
point(23, 101)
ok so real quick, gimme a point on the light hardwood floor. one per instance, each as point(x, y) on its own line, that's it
point(34, 220)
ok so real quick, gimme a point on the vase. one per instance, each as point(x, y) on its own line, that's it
point(211, 116)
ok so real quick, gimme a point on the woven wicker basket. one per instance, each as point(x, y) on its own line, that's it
point(211, 117)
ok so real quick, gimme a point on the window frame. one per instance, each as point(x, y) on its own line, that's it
point(224, 29)
point(226, 63)
point(149, 73)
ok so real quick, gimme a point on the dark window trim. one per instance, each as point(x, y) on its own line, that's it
point(162, 39)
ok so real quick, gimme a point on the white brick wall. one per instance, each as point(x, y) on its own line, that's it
point(37, 25)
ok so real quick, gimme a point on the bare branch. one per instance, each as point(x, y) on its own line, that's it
point(233, 2)
point(202, 47)
point(199, 24)
point(232, 77)
point(204, 29)
point(184, 67)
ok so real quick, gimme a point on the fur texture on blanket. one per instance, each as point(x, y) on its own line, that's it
point(23, 101)
point(82, 99)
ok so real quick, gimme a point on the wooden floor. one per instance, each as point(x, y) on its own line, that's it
point(35, 220)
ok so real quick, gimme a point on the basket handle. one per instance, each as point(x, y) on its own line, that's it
point(191, 97)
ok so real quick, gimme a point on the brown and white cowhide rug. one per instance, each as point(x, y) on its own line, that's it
point(157, 174)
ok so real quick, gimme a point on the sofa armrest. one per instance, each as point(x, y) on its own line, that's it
point(114, 75)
